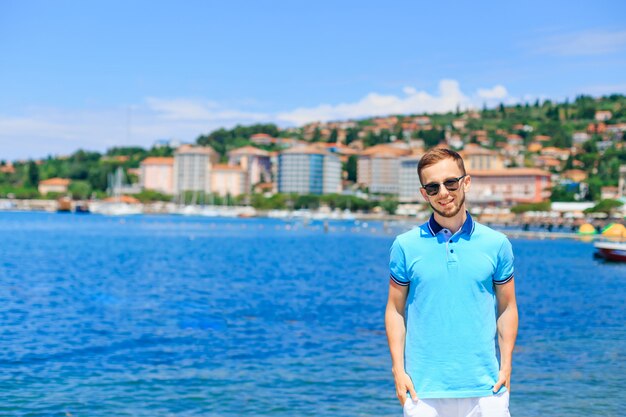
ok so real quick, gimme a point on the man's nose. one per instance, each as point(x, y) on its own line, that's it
point(443, 191)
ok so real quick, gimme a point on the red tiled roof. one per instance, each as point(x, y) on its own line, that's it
point(195, 149)
point(55, 181)
point(307, 150)
point(249, 150)
point(158, 160)
point(509, 172)
point(226, 167)
point(385, 150)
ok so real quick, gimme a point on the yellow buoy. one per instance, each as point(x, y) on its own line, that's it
point(614, 230)
point(587, 229)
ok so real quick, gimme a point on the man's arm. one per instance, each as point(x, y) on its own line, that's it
point(396, 332)
point(507, 331)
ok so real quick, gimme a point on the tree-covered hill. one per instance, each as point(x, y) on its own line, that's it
point(557, 123)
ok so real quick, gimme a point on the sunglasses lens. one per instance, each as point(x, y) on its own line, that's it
point(431, 189)
point(452, 185)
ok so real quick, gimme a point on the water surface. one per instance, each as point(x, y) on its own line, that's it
point(158, 316)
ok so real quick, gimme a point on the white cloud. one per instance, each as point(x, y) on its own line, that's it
point(37, 132)
point(496, 93)
point(198, 110)
point(592, 42)
point(447, 99)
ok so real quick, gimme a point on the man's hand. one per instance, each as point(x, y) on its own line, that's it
point(404, 384)
point(504, 378)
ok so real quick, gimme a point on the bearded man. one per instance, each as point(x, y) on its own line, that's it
point(451, 290)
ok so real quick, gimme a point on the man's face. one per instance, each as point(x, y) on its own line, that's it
point(446, 203)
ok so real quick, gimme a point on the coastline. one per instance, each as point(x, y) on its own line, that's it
point(515, 227)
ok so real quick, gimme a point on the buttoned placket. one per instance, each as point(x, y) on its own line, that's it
point(450, 255)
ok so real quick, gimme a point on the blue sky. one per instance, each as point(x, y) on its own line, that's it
point(93, 75)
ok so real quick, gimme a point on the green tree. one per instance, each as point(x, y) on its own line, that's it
point(431, 137)
point(352, 134)
point(32, 174)
point(562, 193)
point(80, 189)
point(333, 136)
point(605, 206)
point(317, 135)
point(351, 167)
point(389, 205)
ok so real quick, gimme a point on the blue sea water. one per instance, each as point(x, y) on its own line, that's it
point(172, 316)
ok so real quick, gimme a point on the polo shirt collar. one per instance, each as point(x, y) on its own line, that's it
point(434, 227)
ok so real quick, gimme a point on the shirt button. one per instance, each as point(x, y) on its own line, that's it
point(451, 250)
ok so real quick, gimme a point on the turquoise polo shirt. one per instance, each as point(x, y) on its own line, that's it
point(450, 348)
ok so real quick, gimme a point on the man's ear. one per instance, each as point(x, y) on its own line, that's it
point(423, 193)
point(467, 181)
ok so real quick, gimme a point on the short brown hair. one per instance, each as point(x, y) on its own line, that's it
point(438, 154)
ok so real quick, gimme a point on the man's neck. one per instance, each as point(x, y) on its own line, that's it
point(452, 223)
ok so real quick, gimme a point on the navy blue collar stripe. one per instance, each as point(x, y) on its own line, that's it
point(435, 227)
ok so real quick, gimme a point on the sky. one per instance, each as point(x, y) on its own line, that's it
point(93, 75)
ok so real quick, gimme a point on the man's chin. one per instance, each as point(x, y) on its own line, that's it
point(451, 213)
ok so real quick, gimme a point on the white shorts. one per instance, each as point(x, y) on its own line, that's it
point(492, 406)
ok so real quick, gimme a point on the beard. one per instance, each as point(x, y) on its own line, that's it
point(450, 213)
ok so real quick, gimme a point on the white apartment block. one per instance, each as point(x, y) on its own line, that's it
point(157, 173)
point(408, 180)
point(378, 168)
point(192, 166)
point(228, 180)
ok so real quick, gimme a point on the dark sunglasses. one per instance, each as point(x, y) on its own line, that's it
point(451, 185)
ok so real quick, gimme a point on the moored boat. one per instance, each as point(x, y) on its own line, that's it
point(611, 251)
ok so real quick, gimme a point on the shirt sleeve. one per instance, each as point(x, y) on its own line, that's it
point(504, 268)
point(397, 264)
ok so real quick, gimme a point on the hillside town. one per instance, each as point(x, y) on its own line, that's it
point(508, 152)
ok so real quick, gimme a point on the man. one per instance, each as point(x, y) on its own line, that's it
point(453, 277)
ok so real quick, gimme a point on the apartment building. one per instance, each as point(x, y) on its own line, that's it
point(192, 166)
point(157, 173)
point(408, 181)
point(378, 168)
point(308, 170)
point(511, 185)
point(255, 162)
point(228, 180)
point(475, 157)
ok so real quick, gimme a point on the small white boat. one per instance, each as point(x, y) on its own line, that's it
point(109, 208)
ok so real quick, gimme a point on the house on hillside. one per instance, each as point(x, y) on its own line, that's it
point(54, 185)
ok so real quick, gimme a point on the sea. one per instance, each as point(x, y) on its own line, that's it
point(190, 316)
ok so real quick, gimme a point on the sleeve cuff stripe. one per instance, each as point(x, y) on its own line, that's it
point(504, 281)
point(397, 281)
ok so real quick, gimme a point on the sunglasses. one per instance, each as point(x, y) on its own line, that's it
point(451, 184)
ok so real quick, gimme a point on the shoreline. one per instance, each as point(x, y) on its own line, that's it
point(516, 227)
